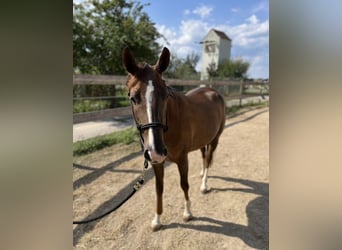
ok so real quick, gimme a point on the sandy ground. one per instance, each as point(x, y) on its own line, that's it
point(233, 215)
point(86, 130)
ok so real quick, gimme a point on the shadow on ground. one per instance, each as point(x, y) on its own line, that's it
point(255, 234)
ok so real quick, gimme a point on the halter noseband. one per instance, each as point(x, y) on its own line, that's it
point(142, 128)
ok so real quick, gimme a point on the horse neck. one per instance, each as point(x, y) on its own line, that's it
point(175, 107)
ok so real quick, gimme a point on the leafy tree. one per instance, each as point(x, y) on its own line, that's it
point(236, 69)
point(183, 68)
point(212, 70)
point(101, 29)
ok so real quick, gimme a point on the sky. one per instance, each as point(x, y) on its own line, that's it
point(185, 23)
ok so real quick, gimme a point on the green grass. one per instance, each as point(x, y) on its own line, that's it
point(90, 105)
point(126, 136)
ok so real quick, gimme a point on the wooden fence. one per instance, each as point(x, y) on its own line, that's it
point(223, 86)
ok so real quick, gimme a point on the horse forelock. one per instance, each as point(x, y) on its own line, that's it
point(143, 65)
point(144, 74)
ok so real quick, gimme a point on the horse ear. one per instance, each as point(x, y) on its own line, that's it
point(129, 61)
point(163, 61)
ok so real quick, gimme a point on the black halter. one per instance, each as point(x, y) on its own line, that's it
point(142, 128)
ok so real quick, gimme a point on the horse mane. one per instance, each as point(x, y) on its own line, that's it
point(171, 91)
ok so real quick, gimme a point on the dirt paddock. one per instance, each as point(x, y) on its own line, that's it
point(233, 215)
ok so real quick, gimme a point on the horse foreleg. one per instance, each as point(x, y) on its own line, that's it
point(183, 172)
point(159, 180)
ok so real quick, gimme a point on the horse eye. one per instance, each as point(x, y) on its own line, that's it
point(132, 99)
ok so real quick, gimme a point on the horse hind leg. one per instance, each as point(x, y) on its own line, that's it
point(203, 151)
point(204, 172)
point(207, 160)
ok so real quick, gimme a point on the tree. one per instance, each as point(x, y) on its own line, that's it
point(212, 70)
point(183, 68)
point(236, 69)
point(101, 29)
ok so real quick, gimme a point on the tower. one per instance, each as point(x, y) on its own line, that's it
point(216, 47)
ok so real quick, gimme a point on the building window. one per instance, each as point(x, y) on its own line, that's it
point(210, 48)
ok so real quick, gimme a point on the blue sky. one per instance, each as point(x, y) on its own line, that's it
point(185, 23)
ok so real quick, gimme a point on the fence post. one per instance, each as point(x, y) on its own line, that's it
point(241, 92)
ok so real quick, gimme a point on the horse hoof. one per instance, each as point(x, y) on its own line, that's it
point(155, 227)
point(187, 217)
point(204, 190)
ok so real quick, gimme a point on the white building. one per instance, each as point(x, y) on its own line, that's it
point(216, 47)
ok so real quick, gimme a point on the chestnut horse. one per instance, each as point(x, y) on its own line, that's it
point(172, 124)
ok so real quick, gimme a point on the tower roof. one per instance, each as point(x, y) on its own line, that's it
point(219, 33)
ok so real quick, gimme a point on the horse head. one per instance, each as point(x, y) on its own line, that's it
point(148, 94)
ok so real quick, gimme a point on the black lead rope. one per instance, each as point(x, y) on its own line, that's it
point(136, 187)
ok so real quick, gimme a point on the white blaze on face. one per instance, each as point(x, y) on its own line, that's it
point(149, 96)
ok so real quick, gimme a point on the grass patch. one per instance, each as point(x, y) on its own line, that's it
point(90, 105)
point(126, 136)
point(96, 105)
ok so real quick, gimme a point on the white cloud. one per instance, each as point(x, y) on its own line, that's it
point(192, 30)
point(251, 34)
point(187, 39)
point(203, 11)
point(253, 19)
point(169, 33)
point(235, 10)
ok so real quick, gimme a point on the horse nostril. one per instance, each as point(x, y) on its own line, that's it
point(165, 151)
point(147, 155)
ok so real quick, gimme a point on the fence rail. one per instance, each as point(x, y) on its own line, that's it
point(121, 81)
point(99, 79)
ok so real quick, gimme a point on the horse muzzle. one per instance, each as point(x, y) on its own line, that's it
point(154, 157)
